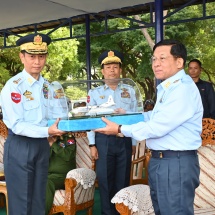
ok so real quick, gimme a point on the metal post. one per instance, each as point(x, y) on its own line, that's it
point(88, 51)
point(158, 25)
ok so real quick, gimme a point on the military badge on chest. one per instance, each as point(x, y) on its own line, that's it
point(125, 93)
point(28, 95)
point(45, 90)
point(59, 93)
point(66, 140)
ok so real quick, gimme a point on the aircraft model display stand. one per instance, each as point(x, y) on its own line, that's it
point(91, 123)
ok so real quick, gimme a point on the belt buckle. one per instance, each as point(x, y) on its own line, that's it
point(161, 154)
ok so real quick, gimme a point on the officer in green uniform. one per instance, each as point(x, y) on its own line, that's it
point(61, 161)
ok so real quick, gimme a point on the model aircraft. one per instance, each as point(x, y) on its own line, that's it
point(104, 108)
point(109, 103)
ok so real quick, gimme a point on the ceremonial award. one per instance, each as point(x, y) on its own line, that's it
point(119, 100)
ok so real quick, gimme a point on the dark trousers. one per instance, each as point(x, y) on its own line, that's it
point(112, 168)
point(172, 184)
point(26, 168)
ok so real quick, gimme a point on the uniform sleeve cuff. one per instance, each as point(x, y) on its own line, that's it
point(134, 142)
point(126, 130)
point(91, 137)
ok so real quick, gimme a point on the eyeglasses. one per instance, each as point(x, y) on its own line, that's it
point(161, 59)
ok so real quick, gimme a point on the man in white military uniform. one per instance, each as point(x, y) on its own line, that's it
point(112, 153)
point(172, 131)
point(25, 109)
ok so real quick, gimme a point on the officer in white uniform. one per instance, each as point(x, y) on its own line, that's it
point(112, 153)
point(25, 109)
point(172, 131)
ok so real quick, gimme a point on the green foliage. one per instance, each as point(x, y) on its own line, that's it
point(67, 58)
point(4, 75)
point(198, 36)
point(61, 63)
point(9, 61)
point(132, 44)
point(74, 92)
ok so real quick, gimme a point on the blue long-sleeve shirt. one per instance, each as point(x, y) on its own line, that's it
point(123, 96)
point(25, 105)
point(176, 120)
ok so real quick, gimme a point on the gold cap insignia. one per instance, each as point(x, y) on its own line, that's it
point(111, 59)
point(35, 47)
point(38, 40)
point(34, 43)
point(110, 54)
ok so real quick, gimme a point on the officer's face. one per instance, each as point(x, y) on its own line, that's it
point(33, 63)
point(164, 64)
point(111, 71)
point(194, 70)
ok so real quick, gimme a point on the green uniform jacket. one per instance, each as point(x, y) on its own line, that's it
point(61, 161)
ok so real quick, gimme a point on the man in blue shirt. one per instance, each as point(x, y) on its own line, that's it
point(172, 131)
point(25, 113)
point(112, 153)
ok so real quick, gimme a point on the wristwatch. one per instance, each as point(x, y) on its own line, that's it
point(91, 145)
point(120, 134)
point(119, 128)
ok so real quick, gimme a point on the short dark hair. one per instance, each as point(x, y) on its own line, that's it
point(177, 48)
point(196, 61)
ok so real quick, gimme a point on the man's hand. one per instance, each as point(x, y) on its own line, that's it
point(94, 153)
point(133, 150)
point(52, 139)
point(120, 111)
point(54, 131)
point(110, 129)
